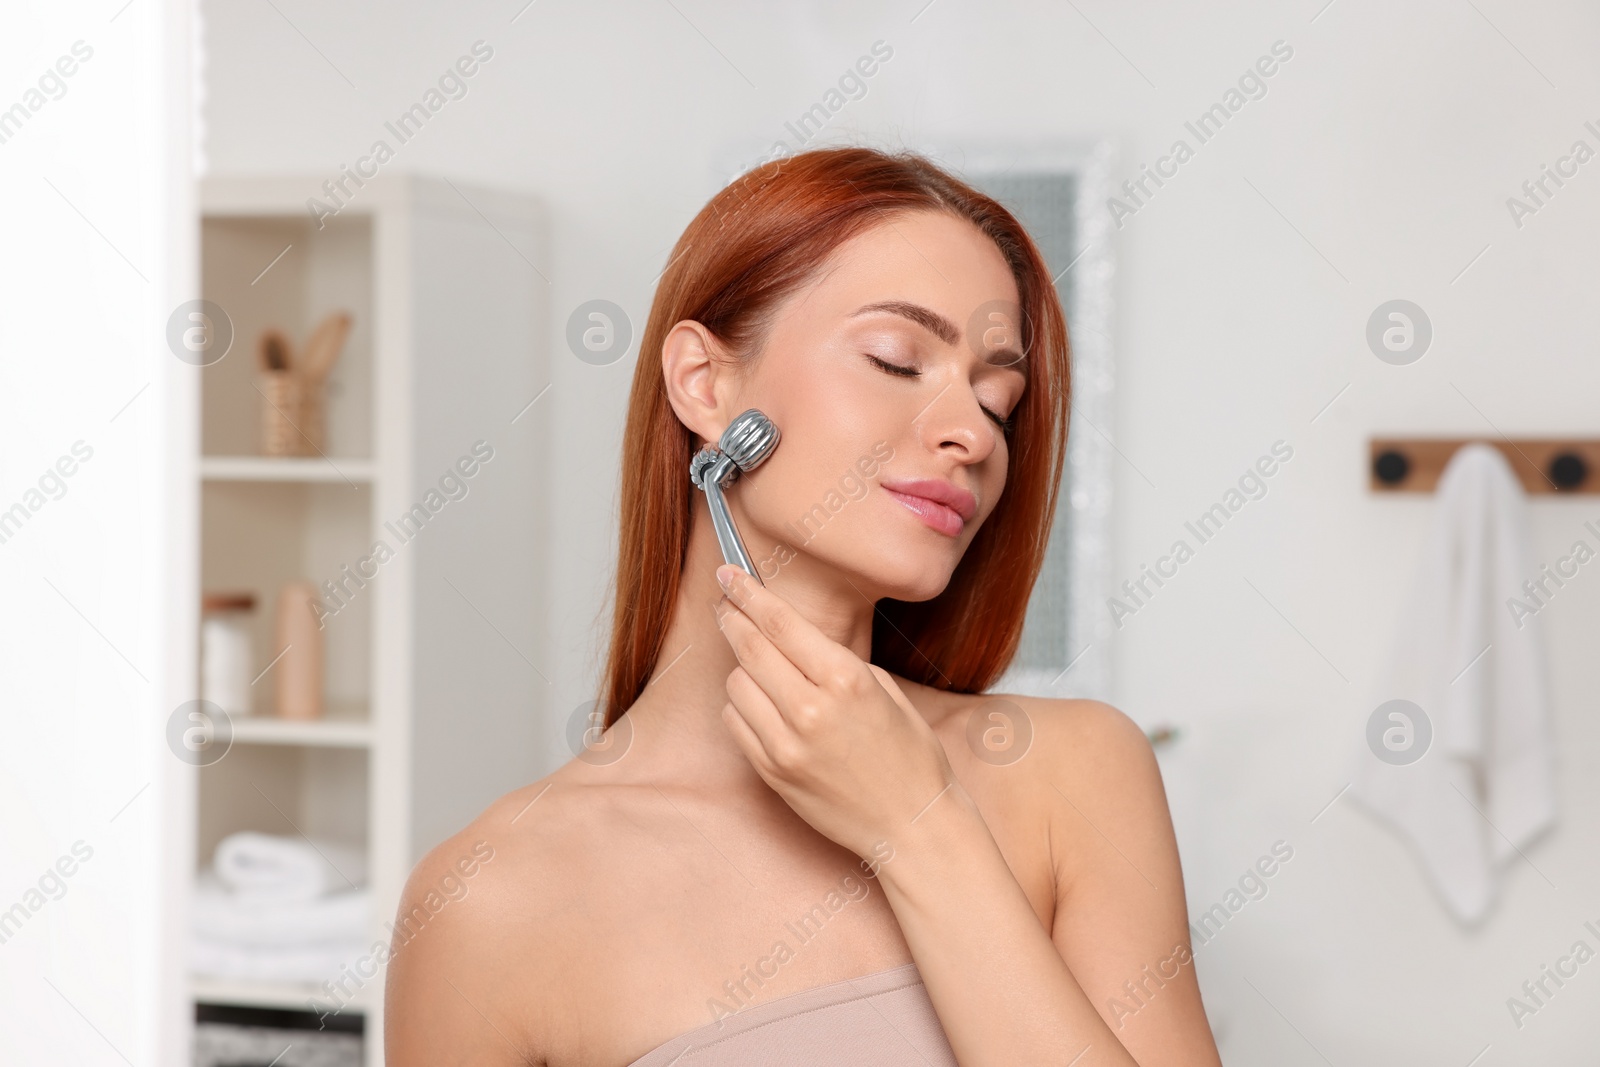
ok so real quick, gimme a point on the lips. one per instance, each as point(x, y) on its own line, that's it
point(942, 505)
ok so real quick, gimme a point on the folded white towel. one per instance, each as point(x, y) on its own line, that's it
point(1485, 787)
point(268, 865)
point(229, 918)
point(313, 964)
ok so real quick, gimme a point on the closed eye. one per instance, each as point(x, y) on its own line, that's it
point(1006, 425)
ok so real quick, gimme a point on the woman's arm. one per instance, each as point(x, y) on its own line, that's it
point(451, 965)
point(1122, 920)
point(1007, 991)
point(839, 741)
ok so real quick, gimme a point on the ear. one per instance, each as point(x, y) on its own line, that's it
point(701, 378)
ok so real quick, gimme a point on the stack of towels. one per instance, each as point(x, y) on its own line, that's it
point(279, 909)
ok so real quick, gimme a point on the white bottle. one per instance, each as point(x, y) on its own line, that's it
point(227, 652)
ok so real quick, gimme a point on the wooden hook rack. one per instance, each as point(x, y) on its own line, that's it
point(1414, 464)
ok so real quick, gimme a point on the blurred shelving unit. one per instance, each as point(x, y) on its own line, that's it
point(273, 469)
point(291, 996)
point(343, 726)
point(432, 707)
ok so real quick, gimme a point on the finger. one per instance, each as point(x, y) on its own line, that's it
point(815, 654)
point(747, 739)
point(781, 680)
point(892, 687)
point(758, 711)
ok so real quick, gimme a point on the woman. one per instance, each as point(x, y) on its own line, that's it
point(804, 829)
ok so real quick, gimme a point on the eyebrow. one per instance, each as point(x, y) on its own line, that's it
point(942, 328)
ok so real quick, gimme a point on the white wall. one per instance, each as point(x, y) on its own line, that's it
point(97, 246)
point(1376, 167)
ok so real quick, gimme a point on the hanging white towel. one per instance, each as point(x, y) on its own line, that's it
point(1484, 789)
point(269, 865)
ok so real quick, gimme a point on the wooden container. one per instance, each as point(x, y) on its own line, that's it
point(292, 387)
point(299, 639)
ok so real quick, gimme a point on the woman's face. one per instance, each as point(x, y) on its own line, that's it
point(895, 366)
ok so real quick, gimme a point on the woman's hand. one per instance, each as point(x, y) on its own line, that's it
point(832, 735)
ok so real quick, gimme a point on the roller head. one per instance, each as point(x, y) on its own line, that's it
point(744, 445)
point(749, 439)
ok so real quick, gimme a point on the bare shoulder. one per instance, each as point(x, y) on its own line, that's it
point(478, 942)
point(1092, 772)
point(1050, 737)
point(1089, 736)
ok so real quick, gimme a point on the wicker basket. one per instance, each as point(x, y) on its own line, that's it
point(291, 416)
point(292, 389)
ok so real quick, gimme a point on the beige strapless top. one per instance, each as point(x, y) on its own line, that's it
point(884, 1019)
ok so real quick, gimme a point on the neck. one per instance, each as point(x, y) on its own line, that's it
point(677, 720)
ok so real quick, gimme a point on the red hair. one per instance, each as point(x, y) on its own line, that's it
point(755, 243)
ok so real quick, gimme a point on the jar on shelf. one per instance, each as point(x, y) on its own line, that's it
point(227, 651)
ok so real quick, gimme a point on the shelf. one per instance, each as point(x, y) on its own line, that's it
point(341, 727)
point(294, 996)
point(285, 469)
point(449, 320)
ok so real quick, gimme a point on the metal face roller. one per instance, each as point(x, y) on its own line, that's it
point(744, 445)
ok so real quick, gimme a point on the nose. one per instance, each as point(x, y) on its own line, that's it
point(955, 421)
